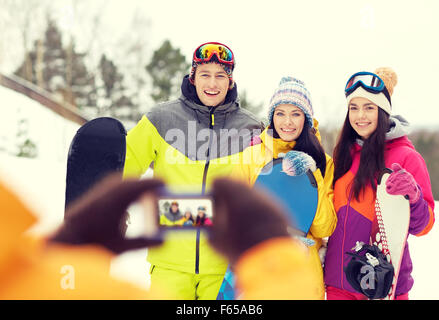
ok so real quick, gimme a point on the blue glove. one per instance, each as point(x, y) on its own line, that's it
point(297, 163)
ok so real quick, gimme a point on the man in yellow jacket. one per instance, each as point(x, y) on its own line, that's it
point(173, 217)
point(191, 141)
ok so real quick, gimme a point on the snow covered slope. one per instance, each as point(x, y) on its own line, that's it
point(423, 251)
point(41, 180)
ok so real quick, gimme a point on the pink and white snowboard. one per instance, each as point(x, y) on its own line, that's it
point(390, 227)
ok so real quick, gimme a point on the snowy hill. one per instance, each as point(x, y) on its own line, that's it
point(425, 262)
point(42, 179)
point(41, 183)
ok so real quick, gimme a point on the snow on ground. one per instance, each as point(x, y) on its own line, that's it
point(423, 251)
point(41, 180)
point(41, 184)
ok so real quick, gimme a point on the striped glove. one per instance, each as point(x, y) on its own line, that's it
point(297, 163)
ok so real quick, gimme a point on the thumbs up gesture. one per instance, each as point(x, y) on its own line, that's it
point(401, 182)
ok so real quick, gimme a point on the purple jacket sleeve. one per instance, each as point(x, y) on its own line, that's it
point(419, 215)
point(421, 212)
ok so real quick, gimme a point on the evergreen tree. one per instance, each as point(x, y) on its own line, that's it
point(25, 146)
point(167, 68)
point(54, 59)
point(59, 70)
point(112, 99)
point(79, 81)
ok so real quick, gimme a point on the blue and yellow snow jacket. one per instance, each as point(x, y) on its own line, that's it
point(190, 145)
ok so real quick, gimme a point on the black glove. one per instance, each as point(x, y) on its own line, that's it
point(96, 217)
point(243, 218)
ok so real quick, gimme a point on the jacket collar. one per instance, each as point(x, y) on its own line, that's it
point(173, 216)
point(275, 145)
point(398, 131)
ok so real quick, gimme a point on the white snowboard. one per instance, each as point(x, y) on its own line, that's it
point(390, 230)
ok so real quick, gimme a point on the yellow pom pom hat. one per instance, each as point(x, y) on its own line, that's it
point(377, 87)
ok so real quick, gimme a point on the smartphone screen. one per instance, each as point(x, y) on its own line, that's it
point(152, 215)
point(185, 211)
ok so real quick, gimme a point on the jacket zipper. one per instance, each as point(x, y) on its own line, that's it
point(203, 189)
point(344, 237)
point(206, 166)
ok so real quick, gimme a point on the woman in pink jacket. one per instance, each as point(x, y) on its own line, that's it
point(372, 139)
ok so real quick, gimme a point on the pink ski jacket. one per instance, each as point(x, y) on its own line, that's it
point(355, 217)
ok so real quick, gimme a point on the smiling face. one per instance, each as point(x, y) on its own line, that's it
point(288, 121)
point(211, 83)
point(363, 116)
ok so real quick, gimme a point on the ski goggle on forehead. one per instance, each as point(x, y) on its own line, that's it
point(206, 51)
point(368, 80)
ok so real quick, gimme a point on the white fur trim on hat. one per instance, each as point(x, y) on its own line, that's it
point(378, 98)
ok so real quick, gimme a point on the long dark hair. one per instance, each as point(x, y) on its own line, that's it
point(372, 154)
point(307, 142)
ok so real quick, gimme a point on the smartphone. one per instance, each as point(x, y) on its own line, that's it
point(153, 214)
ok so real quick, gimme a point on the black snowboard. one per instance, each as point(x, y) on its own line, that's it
point(97, 149)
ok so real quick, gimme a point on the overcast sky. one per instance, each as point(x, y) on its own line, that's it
point(319, 42)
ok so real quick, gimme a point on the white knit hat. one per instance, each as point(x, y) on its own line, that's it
point(390, 80)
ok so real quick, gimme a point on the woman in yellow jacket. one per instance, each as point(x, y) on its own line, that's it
point(292, 127)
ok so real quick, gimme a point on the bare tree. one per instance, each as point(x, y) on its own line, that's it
point(23, 21)
point(136, 55)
